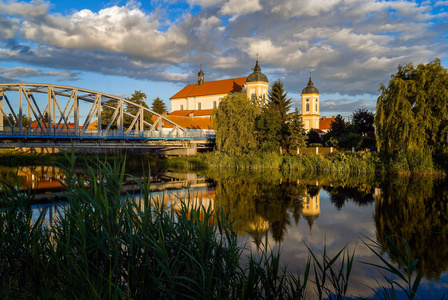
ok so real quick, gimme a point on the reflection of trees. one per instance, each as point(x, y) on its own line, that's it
point(417, 210)
point(260, 204)
point(340, 195)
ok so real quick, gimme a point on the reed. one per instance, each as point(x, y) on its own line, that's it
point(108, 246)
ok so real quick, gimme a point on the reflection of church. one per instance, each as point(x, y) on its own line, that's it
point(311, 205)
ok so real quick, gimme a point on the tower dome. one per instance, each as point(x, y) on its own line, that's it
point(310, 88)
point(257, 75)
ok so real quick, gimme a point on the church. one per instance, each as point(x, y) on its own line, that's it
point(198, 100)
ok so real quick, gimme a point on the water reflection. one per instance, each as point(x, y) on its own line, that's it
point(416, 209)
point(291, 210)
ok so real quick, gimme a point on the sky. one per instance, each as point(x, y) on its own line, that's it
point(156, 46)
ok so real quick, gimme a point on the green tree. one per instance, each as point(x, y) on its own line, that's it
point(139, 98)
point(234, 123)
point(278, 98)
point(412, 111)
point(269, 127)
point(107, 113)
point(158, 106)
point(313, 137)
point(363, 120)
point(297, 133)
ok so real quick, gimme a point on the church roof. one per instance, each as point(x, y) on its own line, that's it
point(257, 75)
point(310, 88)
point(194, 113)
point(188, 122)
point(212, 88)
point(325, 123)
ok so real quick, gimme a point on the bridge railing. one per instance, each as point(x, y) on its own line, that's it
point(110, 134)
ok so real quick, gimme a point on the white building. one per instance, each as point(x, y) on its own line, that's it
point(206, 95)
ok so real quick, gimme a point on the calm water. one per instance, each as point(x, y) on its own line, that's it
point(292, 212)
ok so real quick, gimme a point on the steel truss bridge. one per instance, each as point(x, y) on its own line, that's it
point(53, 116)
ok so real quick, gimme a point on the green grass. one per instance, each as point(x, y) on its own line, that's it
point(355, 163)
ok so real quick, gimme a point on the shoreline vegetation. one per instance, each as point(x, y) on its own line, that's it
point(106, 247)
point(410, 162)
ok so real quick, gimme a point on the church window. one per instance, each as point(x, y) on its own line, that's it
point(307, 105)
point(199, 105)
point(181, 107)
point(317, 105)
point(214, 104)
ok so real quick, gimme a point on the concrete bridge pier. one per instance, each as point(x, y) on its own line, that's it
point(191, 149)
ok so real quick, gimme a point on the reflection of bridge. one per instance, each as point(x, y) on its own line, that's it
point(52, 116)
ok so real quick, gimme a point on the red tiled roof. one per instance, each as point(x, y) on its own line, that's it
point(211, 88)
point(186, 113)
point(188, 122)
point(324, 122)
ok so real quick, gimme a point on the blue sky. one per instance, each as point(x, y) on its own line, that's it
point(117, 47)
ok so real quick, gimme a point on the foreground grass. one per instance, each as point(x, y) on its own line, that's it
point(354, 163)
point(105, 246)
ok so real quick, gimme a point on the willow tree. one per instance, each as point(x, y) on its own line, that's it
point(234, 123)
point(412, 111)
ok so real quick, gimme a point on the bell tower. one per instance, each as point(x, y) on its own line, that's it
point(310, 106)
point(257, 86)
point(200, 77)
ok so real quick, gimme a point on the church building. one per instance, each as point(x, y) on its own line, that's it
point(198, 100)
point(206, 95)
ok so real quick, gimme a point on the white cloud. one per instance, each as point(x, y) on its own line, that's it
point(238, 7)
point(32, 8)
point(18, 73)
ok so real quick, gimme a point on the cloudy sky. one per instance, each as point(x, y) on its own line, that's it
point(157, 46)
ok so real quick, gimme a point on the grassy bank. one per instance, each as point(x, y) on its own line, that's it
point(409, 162)
point(105, 246)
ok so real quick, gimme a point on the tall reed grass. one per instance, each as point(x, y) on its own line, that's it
point(354, 163)
point(106, 246)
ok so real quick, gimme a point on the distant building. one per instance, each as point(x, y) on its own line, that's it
point(310, 106)
point(206, 95)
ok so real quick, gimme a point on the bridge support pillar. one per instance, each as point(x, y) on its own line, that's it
point(188, 151)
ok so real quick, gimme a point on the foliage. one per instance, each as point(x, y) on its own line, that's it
point(278, 98)
point(13, 121)
point(269, 126)
point(234, 124)
point(412, 111)
point(314, 137)
point(363, 121)
point(139, 98)
point(107, 113)
point(297, 133)
point(338, 127)
point(158, 106)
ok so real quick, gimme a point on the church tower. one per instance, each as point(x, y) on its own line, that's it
point(200, 77)
point(257, 85)
point(310, 106)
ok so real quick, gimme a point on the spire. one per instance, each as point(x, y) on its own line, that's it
point(200, 77)
point(256, 74)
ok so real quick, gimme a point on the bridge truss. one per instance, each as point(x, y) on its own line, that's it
point(59, 105)
point(54, 116)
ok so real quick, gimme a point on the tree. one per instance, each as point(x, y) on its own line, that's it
point(269, 127)
point(107, 113)
point(363, 120)
point(278, 98)
point(297, 133)
point(139, 98)
point(313, 137)
point(234, 123)
point(158, 106)
point(338, 127)
point(412, 111)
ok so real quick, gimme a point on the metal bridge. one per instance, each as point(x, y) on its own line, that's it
point(54, 116)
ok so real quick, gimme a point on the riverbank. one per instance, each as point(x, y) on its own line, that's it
point(416, 162)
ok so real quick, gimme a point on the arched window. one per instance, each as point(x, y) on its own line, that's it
point(307, 105)
point(317, 105)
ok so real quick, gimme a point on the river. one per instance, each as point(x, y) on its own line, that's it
point(294, 212)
